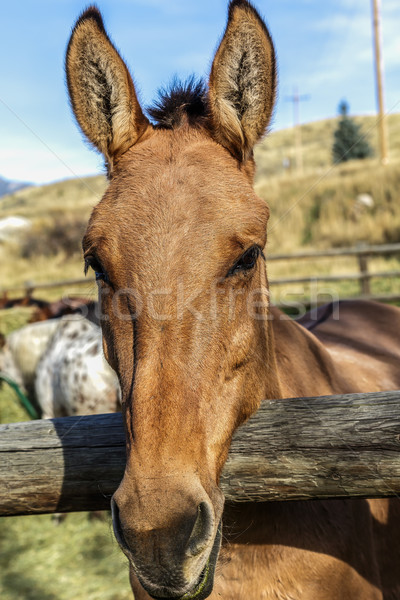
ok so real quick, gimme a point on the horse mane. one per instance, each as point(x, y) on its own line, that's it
point(180, 101)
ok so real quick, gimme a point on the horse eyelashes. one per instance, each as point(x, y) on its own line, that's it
point(99, 272)
point(247, 261)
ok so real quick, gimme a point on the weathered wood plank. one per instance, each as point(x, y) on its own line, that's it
point(333, 446)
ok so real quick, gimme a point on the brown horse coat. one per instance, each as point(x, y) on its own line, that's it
point(177, 246)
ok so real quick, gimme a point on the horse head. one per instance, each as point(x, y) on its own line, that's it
point(177, 247)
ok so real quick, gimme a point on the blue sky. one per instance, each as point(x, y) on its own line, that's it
point(324, 47)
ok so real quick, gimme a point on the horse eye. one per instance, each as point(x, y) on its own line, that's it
point(247, 261)
point(99, 272)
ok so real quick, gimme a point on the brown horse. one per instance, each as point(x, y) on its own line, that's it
point(177, 247)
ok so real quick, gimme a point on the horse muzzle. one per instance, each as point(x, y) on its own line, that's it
point(204, 585)
point(172, 562)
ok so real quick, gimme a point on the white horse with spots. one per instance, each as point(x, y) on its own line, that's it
point(73, 377)
point(22, 349)
point(61, 362)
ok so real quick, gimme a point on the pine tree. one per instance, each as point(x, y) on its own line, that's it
point(349, 141)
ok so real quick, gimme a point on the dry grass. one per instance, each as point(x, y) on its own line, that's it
point(64, 197)
point(325, 291)
point(316, 209)
point(320, 211)
point(317, 140)
point(17, 271)
point(46, 253)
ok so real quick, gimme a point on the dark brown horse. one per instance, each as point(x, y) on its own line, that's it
point(177, 246)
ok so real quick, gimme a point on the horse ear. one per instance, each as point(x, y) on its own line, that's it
point(101, 89)
point(242, 81)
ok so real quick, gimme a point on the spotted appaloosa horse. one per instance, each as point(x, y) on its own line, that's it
point(21, 351)
point(176, 244)
point(72, 376)
point(60, 364)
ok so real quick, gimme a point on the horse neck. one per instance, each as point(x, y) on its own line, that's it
point(303, 366)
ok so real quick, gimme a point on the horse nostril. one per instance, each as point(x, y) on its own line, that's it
point(117, 524)
point(202, 530)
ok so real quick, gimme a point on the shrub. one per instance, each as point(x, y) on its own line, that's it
point(349, 141)
point(63, 234)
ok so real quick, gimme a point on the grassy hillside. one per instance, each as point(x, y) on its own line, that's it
point(51, 250)
point(314, 210)
point(76, 196)
point(319, 210)
point(317, 140)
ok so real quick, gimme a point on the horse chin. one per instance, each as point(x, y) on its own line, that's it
point(204, 585)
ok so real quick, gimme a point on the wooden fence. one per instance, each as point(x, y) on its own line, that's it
point(362, 253)
point(301, 448)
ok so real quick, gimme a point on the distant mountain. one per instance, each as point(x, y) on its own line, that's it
point(8, 187)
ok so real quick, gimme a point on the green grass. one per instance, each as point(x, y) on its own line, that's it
point(13, 318)
point(77, 558)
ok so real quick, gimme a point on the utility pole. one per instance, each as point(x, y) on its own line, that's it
point(296, 99)
point(376, 6)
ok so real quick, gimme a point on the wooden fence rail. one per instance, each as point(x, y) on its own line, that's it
point(347, 277)
point(301, 448)
point(361, 252)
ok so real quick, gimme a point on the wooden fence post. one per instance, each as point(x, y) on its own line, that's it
point(29, 289)
point(365, 275)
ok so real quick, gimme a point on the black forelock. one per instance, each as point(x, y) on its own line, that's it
point(180, 100)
